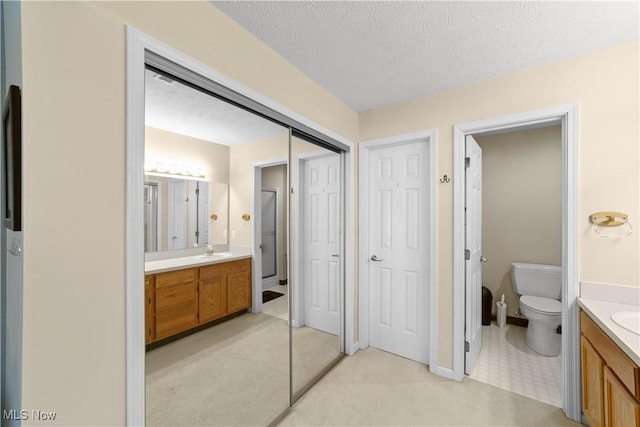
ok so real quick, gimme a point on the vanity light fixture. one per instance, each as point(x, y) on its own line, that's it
point(179, 171)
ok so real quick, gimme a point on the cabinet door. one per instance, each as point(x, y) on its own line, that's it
point(621, 409)
point(149, 308)
point(592, 380)
point(238, 291)
point(212, 298)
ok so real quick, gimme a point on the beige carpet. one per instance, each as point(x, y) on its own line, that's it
point(375, 388)
point(235, 373)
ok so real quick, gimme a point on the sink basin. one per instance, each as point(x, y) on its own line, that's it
point(215, 256)
point(630, 320)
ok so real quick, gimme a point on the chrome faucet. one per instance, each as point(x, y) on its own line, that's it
point(209, 250)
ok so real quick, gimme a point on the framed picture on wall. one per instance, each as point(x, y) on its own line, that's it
point(12, 159)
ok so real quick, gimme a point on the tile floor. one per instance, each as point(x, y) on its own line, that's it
point(506, 361)
point(278, 307)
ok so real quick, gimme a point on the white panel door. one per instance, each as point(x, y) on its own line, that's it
point(398, 243)
point(176, 216)
point(473, 243)
point(321, 244)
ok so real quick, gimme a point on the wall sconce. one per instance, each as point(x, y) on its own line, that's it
point(213, 217)
point(179, 171)
point(246, 217)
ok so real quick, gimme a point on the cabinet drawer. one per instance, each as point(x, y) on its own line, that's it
point(175, 321)
point(172, 297)
point(175, 277)
point(211, 271)
point(624, 368)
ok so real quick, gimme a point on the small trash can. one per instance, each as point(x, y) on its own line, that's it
point(487, 299)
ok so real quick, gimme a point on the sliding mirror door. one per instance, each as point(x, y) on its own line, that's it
point(317, 268)
point(217, 345)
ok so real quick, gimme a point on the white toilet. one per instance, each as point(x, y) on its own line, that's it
point(540, 287)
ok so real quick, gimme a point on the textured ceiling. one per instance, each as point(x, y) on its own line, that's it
point(372, 54)
point(180, 109)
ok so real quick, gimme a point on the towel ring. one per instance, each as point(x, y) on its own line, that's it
point(610, 219)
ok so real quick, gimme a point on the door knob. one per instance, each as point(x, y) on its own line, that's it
point(375, 258)
point(483, 259)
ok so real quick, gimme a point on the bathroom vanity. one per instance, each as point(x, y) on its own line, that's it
point(184, 293)
point(610, 372)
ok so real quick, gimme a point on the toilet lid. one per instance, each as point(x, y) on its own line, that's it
point(542, 305)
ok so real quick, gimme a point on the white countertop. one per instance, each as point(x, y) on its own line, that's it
point(600, 312)
point(152, 267)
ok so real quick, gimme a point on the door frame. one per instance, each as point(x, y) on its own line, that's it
point(567, 117)
point(427, 136)
point(256, 214)
point(275, 279)
point(137, 44)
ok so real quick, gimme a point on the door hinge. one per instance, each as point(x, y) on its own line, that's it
point(466, 346)
point(467, 162)
point(467, 254)
point(197, 234)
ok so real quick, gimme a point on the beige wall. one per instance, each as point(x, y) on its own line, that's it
point(243, 157)
point(521, 205)
point(74, 181)
point(605, 85)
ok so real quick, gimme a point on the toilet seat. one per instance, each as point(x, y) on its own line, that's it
point(547, 306)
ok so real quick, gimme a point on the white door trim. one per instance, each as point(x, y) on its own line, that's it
point(567, 117)
point(256, 214)
point(275, 279)
point(365, 147)
point(136, 45)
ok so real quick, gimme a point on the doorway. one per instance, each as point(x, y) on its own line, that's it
point(519, 217)
point(397, 218)
point(566, 117)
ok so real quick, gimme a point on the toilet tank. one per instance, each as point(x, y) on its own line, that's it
point(538, 280)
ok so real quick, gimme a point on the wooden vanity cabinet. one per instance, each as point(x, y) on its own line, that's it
point(179, 300)
point(610, 379)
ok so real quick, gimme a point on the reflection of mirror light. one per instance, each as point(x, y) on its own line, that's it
point(166, 169)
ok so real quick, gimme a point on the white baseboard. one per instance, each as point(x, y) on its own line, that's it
point(353, 349)
point(441, 372)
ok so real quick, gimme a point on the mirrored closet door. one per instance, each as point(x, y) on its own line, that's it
point(243, 236)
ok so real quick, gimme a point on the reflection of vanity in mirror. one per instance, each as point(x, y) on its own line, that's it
point(183, 213)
